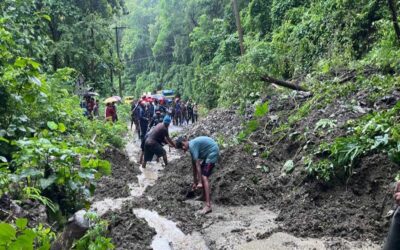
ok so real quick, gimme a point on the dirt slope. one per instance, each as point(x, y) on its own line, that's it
point(353, 210)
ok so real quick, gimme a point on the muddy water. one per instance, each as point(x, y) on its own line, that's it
point(254, 228)
point(169, 236)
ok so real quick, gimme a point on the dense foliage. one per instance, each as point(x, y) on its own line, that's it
point(49, 152)
point(192, 46)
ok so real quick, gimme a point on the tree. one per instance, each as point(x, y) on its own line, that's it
point(393, 11)
point(238, 25)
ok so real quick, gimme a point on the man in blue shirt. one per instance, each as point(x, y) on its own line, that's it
point(205, 153)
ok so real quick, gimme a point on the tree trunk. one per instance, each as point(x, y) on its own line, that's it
point(393, 11)
point(282, 83)
point(238, 25)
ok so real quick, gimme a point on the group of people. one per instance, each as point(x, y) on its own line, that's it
point(147, 114)
point(90, 107)
point(183, 112)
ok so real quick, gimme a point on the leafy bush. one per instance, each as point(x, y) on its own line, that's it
point(376, 132)
point(95, 238)
point(20, 236)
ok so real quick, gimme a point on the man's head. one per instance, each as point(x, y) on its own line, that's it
point(182, 143)
point(167, 120)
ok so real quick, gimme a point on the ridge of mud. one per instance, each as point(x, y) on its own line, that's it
point(123, 173)
point(353, 211)
point(126, 230)
point(218, 122)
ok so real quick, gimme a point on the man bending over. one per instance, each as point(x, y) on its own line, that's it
point(154, 141)
point(205, 153)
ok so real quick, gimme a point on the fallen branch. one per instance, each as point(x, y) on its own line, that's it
point(283, 83)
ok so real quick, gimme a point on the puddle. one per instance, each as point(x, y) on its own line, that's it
point(108, 204)
point(284, 241)
point(169, 236)
point(252, 228)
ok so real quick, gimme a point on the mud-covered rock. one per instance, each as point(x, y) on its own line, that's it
point(127, 231)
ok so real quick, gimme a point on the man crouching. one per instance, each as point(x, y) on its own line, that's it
point(205, 153)
point(154, 141)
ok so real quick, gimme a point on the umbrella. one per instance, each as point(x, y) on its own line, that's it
point(158, 97)
point(117, 98)
point(111, 99)
point(91, 94)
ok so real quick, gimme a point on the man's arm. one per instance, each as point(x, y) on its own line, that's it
point(196, 173)
point(169, 141)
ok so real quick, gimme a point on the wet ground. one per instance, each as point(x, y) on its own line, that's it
point(148, 209)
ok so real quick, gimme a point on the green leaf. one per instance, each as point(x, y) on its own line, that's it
point(21, 128)
point(3, 159)
point(104, 167)
point(21, 223)
point(7, 232)
point(44, 183)
point(52, 125)
point(23, 242)
point(61, 127)
point(261, 110)
point(4, 140)
point(20, 62)
point(36, 81)
point(30, 172)
point(47, 17)
point(289, 166)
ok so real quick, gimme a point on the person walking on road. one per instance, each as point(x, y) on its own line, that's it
point(205, 154)
point(154, 141)
point(109, 112)
point(143, 120)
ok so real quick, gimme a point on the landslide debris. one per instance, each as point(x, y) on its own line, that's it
point(126, 230)
point(252, 172)
point(123, 173)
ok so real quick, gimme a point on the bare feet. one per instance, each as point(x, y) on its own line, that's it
point(206, 210)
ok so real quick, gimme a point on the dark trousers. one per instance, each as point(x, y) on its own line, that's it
point(143, 128)
point(393, 238)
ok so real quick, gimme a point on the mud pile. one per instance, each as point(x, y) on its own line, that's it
point(123, 173)
point(219, 122)
point(127, 231)
point(355, 210)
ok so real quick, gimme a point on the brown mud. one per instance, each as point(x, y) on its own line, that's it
point(123, 173)
point(126, 230)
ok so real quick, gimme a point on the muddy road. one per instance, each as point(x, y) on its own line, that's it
point(149, 209)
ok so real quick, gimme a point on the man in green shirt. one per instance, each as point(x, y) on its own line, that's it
point(205, 153)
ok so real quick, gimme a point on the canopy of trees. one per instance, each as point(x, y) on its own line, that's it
point(193, 46)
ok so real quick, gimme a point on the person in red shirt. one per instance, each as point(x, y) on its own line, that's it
point(110, 112)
